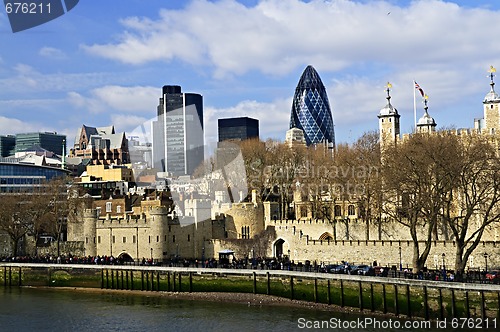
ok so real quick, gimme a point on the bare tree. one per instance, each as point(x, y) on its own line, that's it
point(472, 204)
point(58, 208)
point(415, 185)
point(12, 219)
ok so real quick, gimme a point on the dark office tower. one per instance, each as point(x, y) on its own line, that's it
point(48, 141)
point(178, 132)
point(238, 129)
point(311, 109)
point(7, 145)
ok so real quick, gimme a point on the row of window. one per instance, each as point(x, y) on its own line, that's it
point(351, 211)
point(134, 239)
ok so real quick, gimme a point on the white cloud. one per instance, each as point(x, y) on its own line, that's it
point(125, 122)
point(274, 117)
point(137, 99)
point(276, 36)
point(11, 126)
point(52, 53)
point(27, 76)
point(129, 99)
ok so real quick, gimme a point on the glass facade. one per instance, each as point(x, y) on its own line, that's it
point(15, 177)
point(311, 109)
point(7, 145)
point(238, 129)
point(48, 141)
point(178, 133)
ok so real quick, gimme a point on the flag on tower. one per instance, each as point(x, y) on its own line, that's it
point(419, 89)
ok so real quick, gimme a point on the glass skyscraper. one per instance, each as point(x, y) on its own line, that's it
point(311, 109)
point(178, 133)
point(238, 129)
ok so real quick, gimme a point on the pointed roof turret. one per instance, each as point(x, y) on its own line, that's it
point(426, 119)
point(492, 96)
point(388, 110)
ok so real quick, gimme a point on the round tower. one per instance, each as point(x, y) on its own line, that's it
point(89, 232)
point(157, 223)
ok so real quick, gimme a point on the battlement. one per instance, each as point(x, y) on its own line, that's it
point(131, 220)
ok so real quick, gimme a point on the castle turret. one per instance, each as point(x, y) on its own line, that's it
point(491, 110)
point(426, 123)
point(157, 243)
point(89, 231)
point(388, 121)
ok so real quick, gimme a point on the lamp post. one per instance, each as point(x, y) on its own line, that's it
point(253, 258)
point(485, 255)
point(400, 259)
point(203, 256)
point(444, 267)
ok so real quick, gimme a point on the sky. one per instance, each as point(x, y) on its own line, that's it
point(104, 62)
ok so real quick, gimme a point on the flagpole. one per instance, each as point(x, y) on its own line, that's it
point(414, 107)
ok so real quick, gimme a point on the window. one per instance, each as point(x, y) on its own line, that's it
point(109, 207)
point(189, 238)
point(118, 209)
point(113, 239)
point(99, 239)
point(133, 239)
point(245, 232)
point(150, 239)
point(157, 238)
point(87, 240)
point(337, 211)
point(98, 212)
point(173, 238)
point(351, 210)
point(165, 238)
point(124, 239)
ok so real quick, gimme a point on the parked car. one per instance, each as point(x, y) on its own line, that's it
point(329, 267)
point(353, 269)
point(493, 276)
point(366, 270)
point(338, 269)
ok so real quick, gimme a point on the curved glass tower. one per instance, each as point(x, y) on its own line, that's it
point(311, 109)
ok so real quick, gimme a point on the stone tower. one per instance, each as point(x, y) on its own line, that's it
point(158, 227)
point(388, 122)
point(89, 231)
point(426, 123)
point(491, 110)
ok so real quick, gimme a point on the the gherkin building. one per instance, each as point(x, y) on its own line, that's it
point(311, 109)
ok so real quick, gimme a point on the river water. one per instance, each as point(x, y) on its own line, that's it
point(30, 309)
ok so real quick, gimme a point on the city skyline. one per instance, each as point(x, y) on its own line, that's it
point(104, 67)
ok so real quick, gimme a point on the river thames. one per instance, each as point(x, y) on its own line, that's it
point(29, 309)
point(32, 309)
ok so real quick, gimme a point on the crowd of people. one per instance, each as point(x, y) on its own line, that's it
point(258, 263)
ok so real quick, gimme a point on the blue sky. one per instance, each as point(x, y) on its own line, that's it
point(105, 62)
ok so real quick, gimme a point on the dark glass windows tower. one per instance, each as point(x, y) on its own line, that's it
point(178, 133)
point(311, 109)
point(238, 129)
